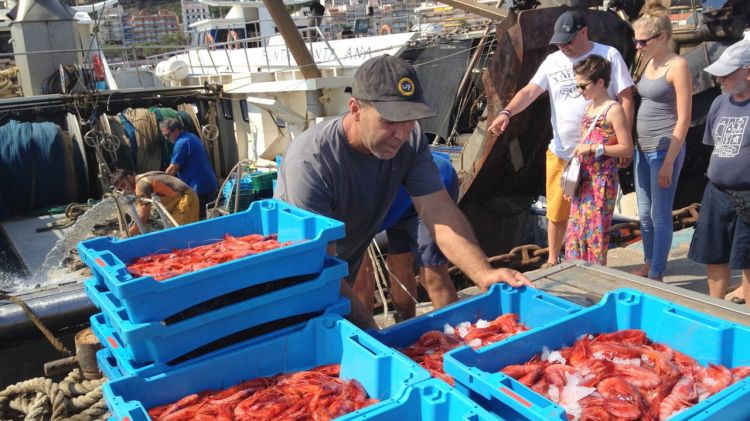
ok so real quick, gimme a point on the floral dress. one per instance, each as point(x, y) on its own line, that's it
point(591, 210)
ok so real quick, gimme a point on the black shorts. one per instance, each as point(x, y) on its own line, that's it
point(720, 237)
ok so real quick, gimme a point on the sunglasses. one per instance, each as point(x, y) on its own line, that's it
point(644, 42)
point(582, 86)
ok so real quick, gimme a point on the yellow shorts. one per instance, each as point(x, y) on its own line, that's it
point(184, 209)
point(558, 209)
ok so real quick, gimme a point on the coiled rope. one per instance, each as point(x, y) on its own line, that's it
point(41, 399)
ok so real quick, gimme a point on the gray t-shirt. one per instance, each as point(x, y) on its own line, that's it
point(727, 131)
point(322, 173)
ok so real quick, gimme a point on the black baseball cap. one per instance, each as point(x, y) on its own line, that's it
point(392, 85)
point(566, 27)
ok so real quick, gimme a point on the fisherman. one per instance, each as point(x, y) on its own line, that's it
point(177, 197)
point(722, 234)
point(350, 168)
point(410, 242)
point(190, 161)
point(556, 75)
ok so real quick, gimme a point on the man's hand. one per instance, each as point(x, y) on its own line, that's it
point(499, 124)
point(511, 277)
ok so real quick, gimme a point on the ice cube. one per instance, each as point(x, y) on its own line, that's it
point(475, 343)
point(448, 329)
point(481, 324)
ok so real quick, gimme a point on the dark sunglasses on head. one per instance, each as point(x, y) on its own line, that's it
point(582, 86)
point(643, 42)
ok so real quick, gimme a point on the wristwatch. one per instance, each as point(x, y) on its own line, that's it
point(599, 150)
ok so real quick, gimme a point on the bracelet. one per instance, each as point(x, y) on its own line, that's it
point(506, 112)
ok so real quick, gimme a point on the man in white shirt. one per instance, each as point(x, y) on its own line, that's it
point(556, 76)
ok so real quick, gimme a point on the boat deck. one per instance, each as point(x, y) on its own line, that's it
point(30, 245)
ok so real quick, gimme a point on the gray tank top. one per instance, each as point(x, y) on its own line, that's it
point(657, 114)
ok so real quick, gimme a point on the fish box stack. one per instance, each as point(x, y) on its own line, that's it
point(632, 356)
point(252, 186)
point(175, 296)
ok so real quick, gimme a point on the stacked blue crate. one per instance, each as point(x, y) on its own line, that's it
point(149, 327)
point(701, 336)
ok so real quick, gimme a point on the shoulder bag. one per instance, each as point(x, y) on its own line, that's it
point(572, 172)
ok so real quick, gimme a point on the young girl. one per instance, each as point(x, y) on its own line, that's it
point(662, 124)
point(587, 237)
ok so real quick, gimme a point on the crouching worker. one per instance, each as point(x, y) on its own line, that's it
point(177, 198)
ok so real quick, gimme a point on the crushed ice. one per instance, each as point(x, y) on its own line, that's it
point(481, 324)
point(448, 329)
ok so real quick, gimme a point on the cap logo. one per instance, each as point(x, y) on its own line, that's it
point(406, 86)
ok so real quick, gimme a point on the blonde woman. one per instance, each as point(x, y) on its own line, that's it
point(662, 123)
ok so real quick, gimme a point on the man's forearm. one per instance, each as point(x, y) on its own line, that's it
point(459, 245)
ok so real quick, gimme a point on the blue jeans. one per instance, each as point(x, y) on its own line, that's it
point(655, 207)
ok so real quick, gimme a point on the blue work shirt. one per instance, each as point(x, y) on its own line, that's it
point(402, 204)
point(195, 168)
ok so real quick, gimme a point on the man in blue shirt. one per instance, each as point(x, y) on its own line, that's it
point(190, 161)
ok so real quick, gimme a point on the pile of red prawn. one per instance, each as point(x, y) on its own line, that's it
point(166, 265)
point(622, 376)
point(428, 351)
point(317, 394)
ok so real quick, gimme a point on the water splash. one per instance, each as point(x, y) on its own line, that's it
point(52, 271)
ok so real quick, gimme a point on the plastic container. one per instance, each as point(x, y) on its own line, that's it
point(431, 400)
point(157, 342)
point(108, 364)
point(534, 308)
point(108, 336)
point(383, 373)
point(705, 338)
point(731, 408)
point(146, 299)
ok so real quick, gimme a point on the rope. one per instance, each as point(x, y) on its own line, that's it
point(37, 322)
point(379, 277)
point(41, 399)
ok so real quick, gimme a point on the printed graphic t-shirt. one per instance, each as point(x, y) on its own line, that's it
point(556, 76)
point(727, 131)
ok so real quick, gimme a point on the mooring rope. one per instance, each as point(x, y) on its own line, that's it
point(41, 399)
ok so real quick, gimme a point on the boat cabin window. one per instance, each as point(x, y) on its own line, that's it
point(226, 108)
point(243, 107)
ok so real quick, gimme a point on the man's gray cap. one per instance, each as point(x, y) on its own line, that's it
point(735, 56)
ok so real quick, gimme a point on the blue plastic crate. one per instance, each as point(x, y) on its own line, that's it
point(703, 337)
point(128, 366)
point(383, 373)
point(157, 342)
point(146, 299)
point(533, 306)
point(430, 400)
point(108, 364)
point(732, 408)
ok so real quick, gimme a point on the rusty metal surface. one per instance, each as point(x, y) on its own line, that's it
point(520, 50)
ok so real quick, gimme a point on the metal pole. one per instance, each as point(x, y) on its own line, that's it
point(295, 44)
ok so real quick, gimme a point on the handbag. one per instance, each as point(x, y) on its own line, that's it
point(571, 175)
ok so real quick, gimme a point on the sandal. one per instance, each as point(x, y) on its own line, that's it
point(738, 300)
point(642, 271)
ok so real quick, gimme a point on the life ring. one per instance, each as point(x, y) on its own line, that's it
point(232, 39)
point(98, 67)
point(385, 29)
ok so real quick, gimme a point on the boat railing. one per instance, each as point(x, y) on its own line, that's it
point(310, 34)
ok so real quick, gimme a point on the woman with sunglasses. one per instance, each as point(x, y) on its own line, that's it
point(662, 123)
point(605, 137)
